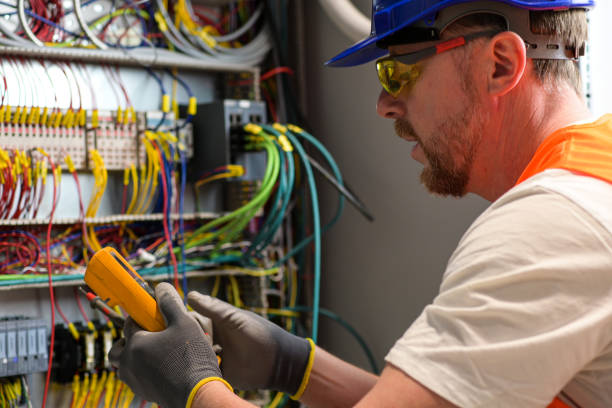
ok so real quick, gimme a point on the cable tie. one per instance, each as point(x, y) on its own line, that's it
point(160, 22)
point(285, 144)
point(94, 119)
point(73, 331)
point(81, 117)
point(45, 116)
point(207, 38)
point(58, 119)
point(193, 106)
point(31, 115)
point(165, 103)
point(36, 117)
point(132, 114)
point(70, 163)
point(253, 128)
point(24, 116)
point(280, 128)
point(295, 129)
point(126, 176)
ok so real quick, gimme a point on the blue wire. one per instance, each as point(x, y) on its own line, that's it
point(332, 163)
point(38, 247)
point(274, 221)
point(163, 92)
point(316, 220)
point(180, 81)
point(187, 89)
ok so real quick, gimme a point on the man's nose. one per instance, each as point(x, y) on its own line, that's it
point(389, 107)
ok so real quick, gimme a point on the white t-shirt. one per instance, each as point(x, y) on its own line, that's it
point(525, 305)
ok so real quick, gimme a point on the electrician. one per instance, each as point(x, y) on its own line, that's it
point(490, 93)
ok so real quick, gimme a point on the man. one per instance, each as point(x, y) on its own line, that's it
point(490, 92)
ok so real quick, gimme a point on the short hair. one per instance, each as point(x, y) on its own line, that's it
point(569, 25)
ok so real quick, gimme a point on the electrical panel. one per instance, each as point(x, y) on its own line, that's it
point(216, 129)
point(140, 126)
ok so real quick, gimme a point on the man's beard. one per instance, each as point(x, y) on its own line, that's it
point(449, 150)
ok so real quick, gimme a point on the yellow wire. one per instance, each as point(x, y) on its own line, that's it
point(124, 389)
point(200, 183)
point(100, 180)
point(118, 389)
point(134, 174)
point(235, 292)
point(92, 386)
point(128, 398)
point(217, 285)
point(276, 312)
point(70, 262)
point(277, 399)
point(254, 273)
point(110, 386)
point(152, 174)
point(76, 384)
point(83, 391)
point(98, 391)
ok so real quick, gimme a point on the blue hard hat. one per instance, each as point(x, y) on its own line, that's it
point(391, 16)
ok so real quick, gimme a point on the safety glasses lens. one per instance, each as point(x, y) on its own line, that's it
point(395, 76)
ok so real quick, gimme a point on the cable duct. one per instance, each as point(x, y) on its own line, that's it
point(345, 15)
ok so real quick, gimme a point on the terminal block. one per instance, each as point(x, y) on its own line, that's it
point(216, 131)
point(23, 346)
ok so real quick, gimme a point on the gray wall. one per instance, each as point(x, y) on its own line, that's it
point(380, 275)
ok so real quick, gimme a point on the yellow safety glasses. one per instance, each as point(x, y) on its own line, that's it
point(399, 72)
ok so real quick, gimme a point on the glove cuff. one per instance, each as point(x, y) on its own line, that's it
point(306, 377)
point(202, 382)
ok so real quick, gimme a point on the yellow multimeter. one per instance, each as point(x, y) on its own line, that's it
point(113, 279)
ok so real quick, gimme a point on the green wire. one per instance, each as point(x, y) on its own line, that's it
point(285, 189)
point(240, 223)
point(258, 201)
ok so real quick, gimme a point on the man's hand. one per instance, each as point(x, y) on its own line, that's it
point(166, 367)
point(255, 353)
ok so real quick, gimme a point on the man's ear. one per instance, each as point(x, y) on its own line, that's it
point(508, 58)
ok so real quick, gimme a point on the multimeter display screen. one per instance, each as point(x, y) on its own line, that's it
point(137, 278)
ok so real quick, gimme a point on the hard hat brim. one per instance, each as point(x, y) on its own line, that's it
point(367, 49)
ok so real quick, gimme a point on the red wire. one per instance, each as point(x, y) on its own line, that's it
point(267, 75)
point(165, 223)
point(16, 245)
point(78, 299)
point(61, 313)
point(153, 245)
point(51, 295)
point(276, 71)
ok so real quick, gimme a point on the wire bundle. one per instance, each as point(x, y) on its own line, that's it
point(14, 392)
point(236, 34)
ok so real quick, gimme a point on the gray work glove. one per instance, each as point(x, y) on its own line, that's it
point(256, 353)
point(166, 367)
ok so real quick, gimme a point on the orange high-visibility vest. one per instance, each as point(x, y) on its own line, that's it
point(583, 149)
